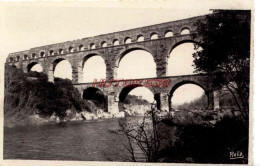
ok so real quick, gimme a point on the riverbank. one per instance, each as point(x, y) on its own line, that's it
point(36, 119)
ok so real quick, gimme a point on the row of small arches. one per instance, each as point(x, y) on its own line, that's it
point(127, 40)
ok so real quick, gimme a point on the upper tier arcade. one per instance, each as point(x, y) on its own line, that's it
point(157, 39)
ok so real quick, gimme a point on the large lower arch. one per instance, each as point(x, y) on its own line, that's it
point(144, 98)
point(96, 98)
point(93, 67)
point(34, 66)
point(135, 63)
point(180, 58)
point(190, 92)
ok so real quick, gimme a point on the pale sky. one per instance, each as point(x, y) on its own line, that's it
point(41, 24)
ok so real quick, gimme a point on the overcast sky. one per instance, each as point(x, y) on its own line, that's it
point(31, 25)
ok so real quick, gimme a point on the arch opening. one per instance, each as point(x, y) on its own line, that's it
point(25, 57)
point(136, 63)
point(115, 42)
point(181, 60)
point(185, 31)
point(71, 49)
point(104, 44)
point(51, 52)
point(96, 99)
point(154, 36)
point(92, 46)
point(188, 96)
point(33, 55)
point(61, 51)
point(140, 38)
point(17, 58)
point(61, 65)
point(34, 66)
point(81, 47)
point(94, 67)
point(128, 40)
point(135, 100)
point(168, 33)
point(42, 54)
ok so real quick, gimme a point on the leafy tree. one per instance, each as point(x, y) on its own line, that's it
point(225, 39)
point(30, 93)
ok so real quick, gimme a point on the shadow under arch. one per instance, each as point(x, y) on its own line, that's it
point(181, 83)
point(125, 91)
point(97, 98)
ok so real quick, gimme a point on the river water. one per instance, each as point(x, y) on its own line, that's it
point(84, 140)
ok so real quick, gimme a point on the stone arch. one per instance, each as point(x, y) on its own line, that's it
point(140, 38)
point(92, 46)
point(30, 65)
point(185, 30)
point(127, 40)
point(103, 44)
point(168, 33)
point(52, 52)
point(182, 63)
point(81, 47)
point(58, 60)
point(125, 91)
point(86, 58)
point(136, 63)
point(115, 42)
point(25, 57)
point(71, 49)
point(34, 55)
point(61, 51)
point(42, 54)
point(53, 64)
point(182, 42)
point(184, 82)
point(96, 97)
point(154, 36)
point(130, 49)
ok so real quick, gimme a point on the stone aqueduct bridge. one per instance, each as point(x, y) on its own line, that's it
point(159, 40)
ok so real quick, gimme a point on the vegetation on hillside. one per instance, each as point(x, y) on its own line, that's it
point(186, 137)
point(225, 39)
point(133, 99)
point(30, 93)
point(205, 142)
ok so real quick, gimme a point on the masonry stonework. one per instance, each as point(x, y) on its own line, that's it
point(77, 52)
